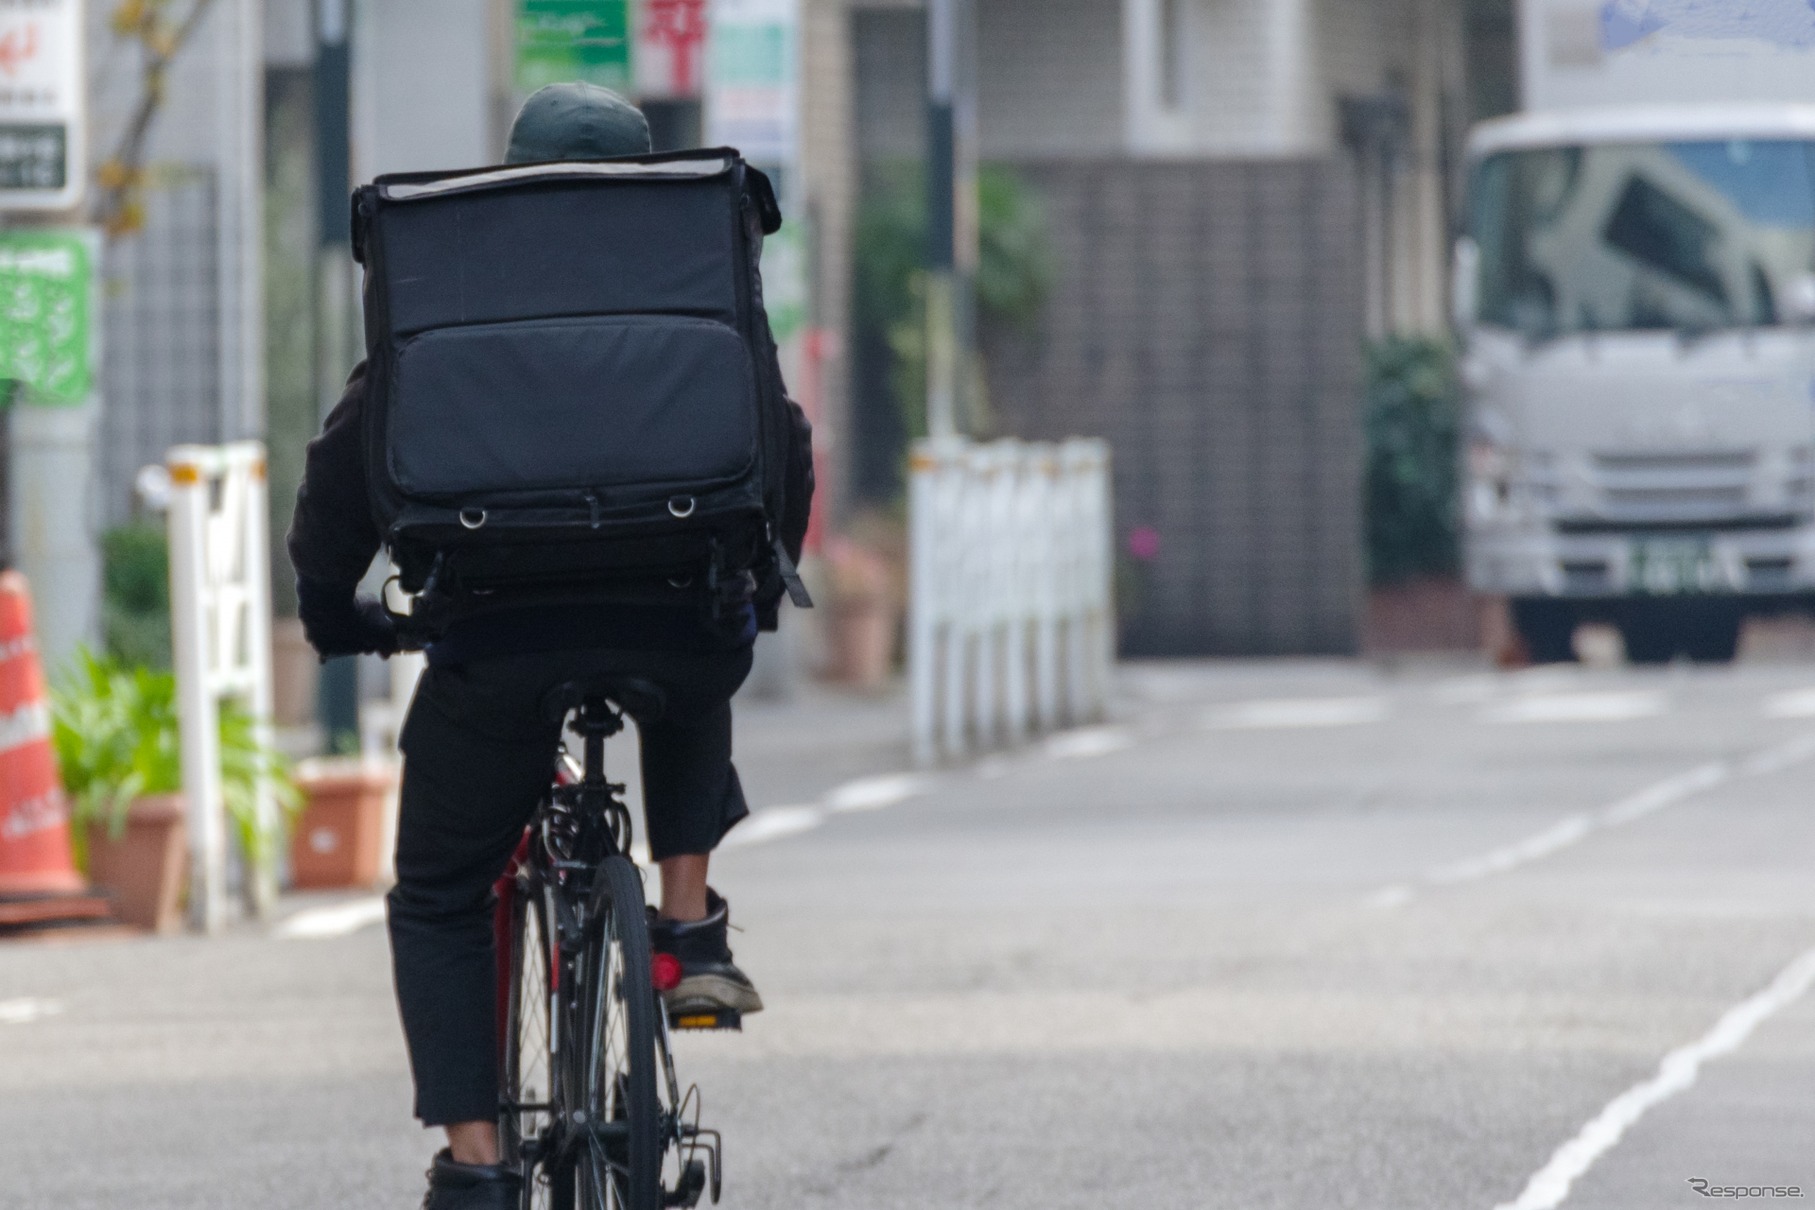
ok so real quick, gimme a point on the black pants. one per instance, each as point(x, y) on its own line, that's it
point(478, 756)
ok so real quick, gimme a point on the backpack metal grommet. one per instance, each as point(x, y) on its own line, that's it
point(681, 507)
point(472, 518)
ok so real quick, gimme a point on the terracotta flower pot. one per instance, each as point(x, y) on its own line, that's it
point(295, 674)
point(861, 634)
point(143, 868)
point(340, 835)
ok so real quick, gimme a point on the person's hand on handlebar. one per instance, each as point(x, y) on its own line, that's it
point(339, 621)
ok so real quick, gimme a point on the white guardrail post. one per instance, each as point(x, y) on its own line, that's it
point(220, 629)
point(1011, 627)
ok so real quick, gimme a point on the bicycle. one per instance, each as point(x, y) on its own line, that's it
point(591, 1107)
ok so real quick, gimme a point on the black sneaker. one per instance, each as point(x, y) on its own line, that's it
point(457, 1186)
point(710, 981)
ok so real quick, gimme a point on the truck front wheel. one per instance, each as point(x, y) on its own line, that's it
point(1650, 636)
point(1711, 632)
point(1706, 630)
point(1547, 628)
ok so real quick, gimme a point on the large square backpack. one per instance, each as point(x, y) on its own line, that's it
point(571, 380)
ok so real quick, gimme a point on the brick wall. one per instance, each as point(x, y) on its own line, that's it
point(1206, 319)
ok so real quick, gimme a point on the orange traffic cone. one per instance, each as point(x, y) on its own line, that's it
point(38, 879)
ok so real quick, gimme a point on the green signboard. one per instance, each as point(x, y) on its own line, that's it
point(752, 54)
point(45, 292)
point(560, 40)
point(785, 281)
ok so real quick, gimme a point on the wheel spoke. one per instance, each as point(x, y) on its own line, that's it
point(529, 1071)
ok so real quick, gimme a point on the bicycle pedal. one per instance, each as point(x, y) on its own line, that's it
point(720, 1018)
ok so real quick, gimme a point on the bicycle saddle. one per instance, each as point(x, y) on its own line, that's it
point(640, 699)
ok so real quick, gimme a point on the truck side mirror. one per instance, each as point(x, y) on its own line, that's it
point(1465, 273)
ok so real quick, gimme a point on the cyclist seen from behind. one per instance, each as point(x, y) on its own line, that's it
point(479, 748)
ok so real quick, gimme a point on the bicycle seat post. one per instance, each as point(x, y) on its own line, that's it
point(597, 719)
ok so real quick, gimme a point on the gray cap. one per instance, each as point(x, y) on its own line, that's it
point(576, 122)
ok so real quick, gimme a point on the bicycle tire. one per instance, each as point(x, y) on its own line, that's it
point(528, 1071)
point(620, 1060)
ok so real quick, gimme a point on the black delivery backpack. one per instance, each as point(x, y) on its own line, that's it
point(571, 381)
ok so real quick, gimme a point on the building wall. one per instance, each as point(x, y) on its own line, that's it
point(1250, 84)
point(831, 187)
point(422, 82)
point(889, 73)
point(1269, 78)
point(1206, 319)
point(182, 330)
point(1051, 82)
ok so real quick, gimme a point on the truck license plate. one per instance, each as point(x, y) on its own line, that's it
point(1665, 566)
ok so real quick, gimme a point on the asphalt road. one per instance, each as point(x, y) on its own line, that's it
point(1305, 935)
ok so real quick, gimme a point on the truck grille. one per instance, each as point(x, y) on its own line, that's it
point(1689, 488)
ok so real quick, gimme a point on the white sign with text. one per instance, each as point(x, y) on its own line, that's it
point(42, 135)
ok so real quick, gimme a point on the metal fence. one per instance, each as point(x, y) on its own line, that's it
point(161, 355)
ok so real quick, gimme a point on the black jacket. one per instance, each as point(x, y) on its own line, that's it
point(333, 538)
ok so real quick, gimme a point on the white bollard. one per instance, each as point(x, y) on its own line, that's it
point(1102, 574)
point(952, 597)
point(220, 622)
point(1045, 585)
point(924, 615)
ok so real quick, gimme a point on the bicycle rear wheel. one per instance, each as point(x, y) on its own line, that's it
point(530, 1039)
point(623, 1167)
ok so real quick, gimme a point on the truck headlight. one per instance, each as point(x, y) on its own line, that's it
point(1490, 481)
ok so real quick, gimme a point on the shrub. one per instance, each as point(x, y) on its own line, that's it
point(1014, 272)
point(135, 594)
point(1413, 417)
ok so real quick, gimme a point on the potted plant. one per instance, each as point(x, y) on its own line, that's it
point(863, 613)
point(340, 837)
point(115, 730)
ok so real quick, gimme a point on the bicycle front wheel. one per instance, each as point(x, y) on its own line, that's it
point(623, 1167)
point(531, 1050)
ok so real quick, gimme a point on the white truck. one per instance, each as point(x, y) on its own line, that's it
point(1635, 294)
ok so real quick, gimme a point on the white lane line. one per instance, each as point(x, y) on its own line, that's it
point(1299, 712)
point(23, 1010)
point(863, 794)
point(1556, 837)
point(773, 823)
point(1390, 896)
point(334, 920)
point(1664, 793)
point(1614, 706)
point(1570, 830)
point(874, 793)
point(1477, 688)
point(992, 767)
point(1086, 742)
point(1550, 1185)
point(1775, 760)
point(1573, 829)
point(1797, 703)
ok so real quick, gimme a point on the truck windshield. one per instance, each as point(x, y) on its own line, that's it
point(1689, 236)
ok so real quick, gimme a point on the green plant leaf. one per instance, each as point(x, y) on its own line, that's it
point(115, 730)
point(1014, 271)
point(1413, 418)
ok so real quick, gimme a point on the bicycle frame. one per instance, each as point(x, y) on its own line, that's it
point(583, 823)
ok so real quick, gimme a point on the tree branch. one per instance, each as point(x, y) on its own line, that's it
point(119, 207)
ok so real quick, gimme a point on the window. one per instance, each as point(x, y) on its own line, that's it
point(1690, 235)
